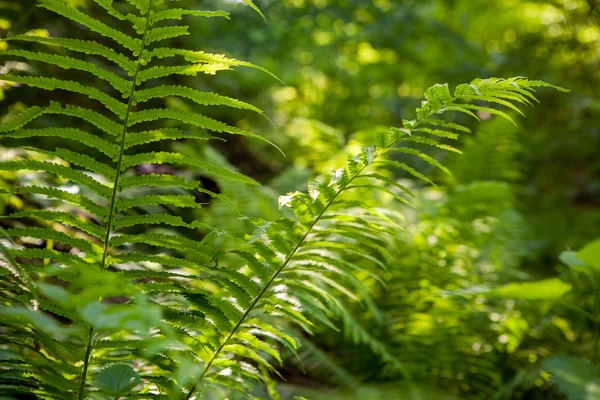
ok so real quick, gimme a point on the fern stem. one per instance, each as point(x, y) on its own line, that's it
point(86, 362)
point(113, 199)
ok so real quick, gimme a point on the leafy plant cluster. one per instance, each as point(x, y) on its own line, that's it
point(114, 290)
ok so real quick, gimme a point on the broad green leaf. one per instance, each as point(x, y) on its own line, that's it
point(548, 289)
point(117, 378)
point(590, 255)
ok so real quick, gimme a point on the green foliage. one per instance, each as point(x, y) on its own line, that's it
point(107, 296)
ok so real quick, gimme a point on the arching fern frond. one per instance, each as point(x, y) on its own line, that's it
point(301, 282)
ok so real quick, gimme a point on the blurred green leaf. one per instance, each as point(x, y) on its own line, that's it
point(575, 378)
point(571, 259)
point(548, 289)
point(590, 254)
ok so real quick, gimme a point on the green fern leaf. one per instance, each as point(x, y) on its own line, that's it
point(104, 146)
point(446, 124)
point(136, 138)
point(120, 84)
point(86, 162)
point(165, 32)
point(60, 170)
point(21, 119)
point(439, 133)
point(189, 70)
point(128, 257)
point(74, 14)
point(161, 180)
point(428, 141)
point(63, 218)
point(386, 181)
point(154, 219)
point(253, 6)
point(81, 46)
point(109, 102)
point(202, 98)
point(203, 57)
point(176, 158)
point(410, 170)
point(167, 241)
point(179, 201)
point(428, 159)
point(75, 199)
point(190, 118)
point(178, 13)
point(49, 234)
point(96, 119)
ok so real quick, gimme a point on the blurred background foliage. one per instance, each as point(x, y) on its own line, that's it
point(519, 195)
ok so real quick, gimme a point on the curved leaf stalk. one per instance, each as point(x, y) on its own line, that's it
point(287, 260)
point(115, 190)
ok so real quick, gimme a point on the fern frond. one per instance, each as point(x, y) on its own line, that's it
point(59, 170)
point(137, 138)
point(93, 141)
point(86, 162)
point(430, 142)
point(90, 206)
point(62, 8)
point(301, 280)
point(161, 180)
point(63, 218)
point(81, 46)
point(202, 98)
point(179, 201)
point(21, 119)
point(128, 257)
point(428, 159)
point(155, 219)
point(179, 13)
point(203, 57)
point(106, 100)
point(255, 8)
point(165, 32)
point(166, 241)
point(120, 84)
point(50, 234)
point(189, 70)
point(176, 158)
point(98, 120)
point(192, 119)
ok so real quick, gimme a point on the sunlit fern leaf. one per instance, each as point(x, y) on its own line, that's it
point(80, 46)
point(165, 32)
point(202, 98)
point(120, 84)
point(179, 13)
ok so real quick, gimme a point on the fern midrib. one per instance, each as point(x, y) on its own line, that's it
point(287, 261)
point(114, 195)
